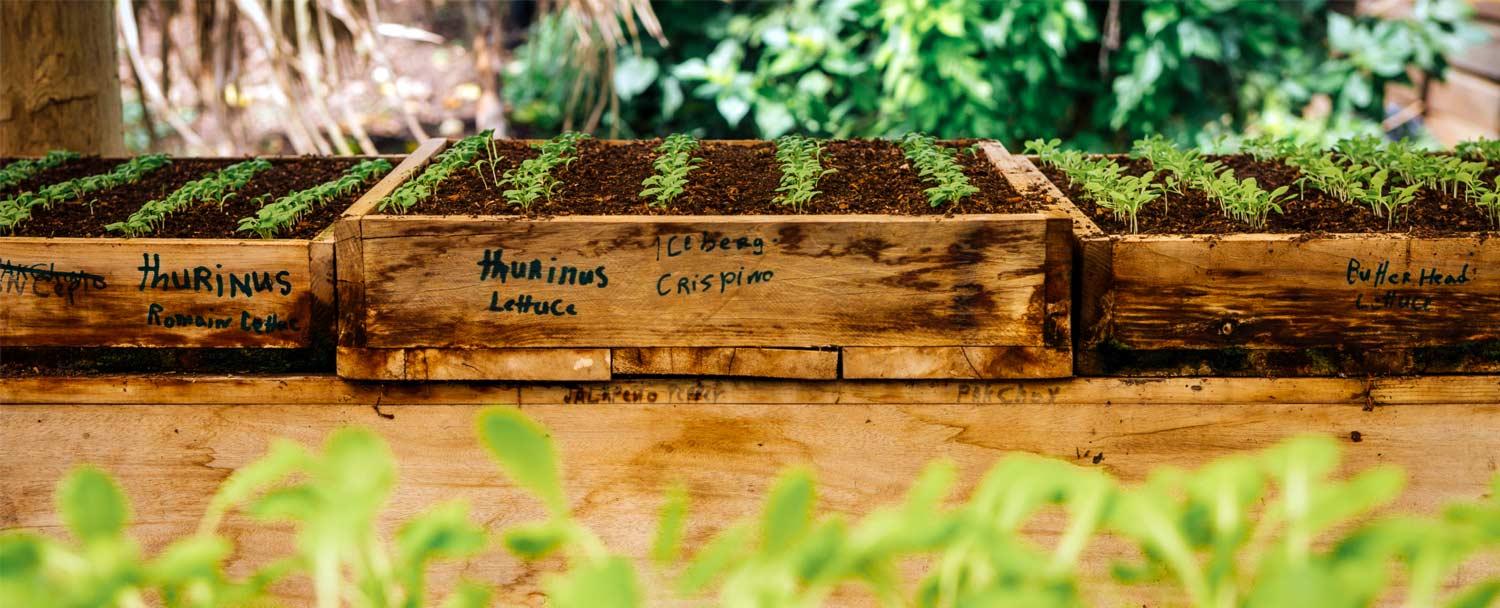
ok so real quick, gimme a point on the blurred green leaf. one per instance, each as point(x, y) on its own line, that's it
point(524, 452)
point(92, 505)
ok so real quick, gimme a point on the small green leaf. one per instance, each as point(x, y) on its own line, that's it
point(468, 594)
point(537, 540)
point(92, 505)
point(670, 526)
point(788, 512)
point(525, 452)
point(607, 583)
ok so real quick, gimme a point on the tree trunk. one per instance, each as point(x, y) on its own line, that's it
point(59, 78)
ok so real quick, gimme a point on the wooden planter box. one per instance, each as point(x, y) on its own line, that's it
point(166, 292)
point(1284, 303)
point(795, 296)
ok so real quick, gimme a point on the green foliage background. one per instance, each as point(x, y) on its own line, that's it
point(1008, 69)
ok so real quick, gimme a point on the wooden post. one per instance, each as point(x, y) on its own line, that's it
point(59, 78)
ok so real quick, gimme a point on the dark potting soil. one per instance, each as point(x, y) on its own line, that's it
point(204, 220)
point(1433, 213)
point(871, 176)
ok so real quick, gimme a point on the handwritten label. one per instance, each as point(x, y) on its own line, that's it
point(1013, 394)
point(157, 315)
point(43, 280)
point(698, 392)
point(212, 280)
point(494, 267)
point(721, 281)
point(1390, 289)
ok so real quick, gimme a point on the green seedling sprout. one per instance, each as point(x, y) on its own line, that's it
point(674, 160)
point(280, 215)
point(533, 179)
point(936, 164)
point(217, 187)
point(491, 160)
point(18, 208)
point(801, 160)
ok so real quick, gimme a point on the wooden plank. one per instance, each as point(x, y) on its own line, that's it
point(792, 363)
point(156, 292)
point(1466, 97)
point(957, 362)
point(621, 457)
point(580, 364)
point(307, 390)
point(1284, 291)
point(654, 281)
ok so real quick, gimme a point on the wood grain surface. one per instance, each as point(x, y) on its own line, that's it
point(172, 440)
point(1281, 291)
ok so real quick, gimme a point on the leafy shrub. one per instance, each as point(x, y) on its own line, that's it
point(1266, 529)
point(674, 159)
point(801, 160)
point(1097, 74)
point(21, 170)
point(936, 164)
point(216, 187)
point(283, 213)
point(18, 208)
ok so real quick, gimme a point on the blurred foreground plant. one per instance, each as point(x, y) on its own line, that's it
point(1267, 529)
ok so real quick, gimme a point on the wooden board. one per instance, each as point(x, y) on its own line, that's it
point(161, 292)
point(426, 364)
point(648, 281)
point(719, 284)
point(801, 364)
point(724, 440)
point(956, 362)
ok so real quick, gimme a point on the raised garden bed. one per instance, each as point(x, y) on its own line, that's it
point(1333, 284)
point(186, 252)
point(862, 278)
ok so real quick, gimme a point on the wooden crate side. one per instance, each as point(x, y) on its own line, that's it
point(956, 362)
point(208, 293)
point(766, 281)
point(424, 364)
point(1280, 291)
point(790, 363)
point(348, 246)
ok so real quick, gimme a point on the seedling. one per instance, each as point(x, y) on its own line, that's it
point(462, 153)
point(1489, 202)
point(936, 164)
point(1102, 180)
point(1485, 149)
point(491, 160)
point(801, 161)
point(533, 180)
point(18, 208)
point(281, 215)
point(216, 187)
point(21, 170)
point(674, 159)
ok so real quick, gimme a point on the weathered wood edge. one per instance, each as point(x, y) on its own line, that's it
point(349, 292)
point(744, 362)
point(331, 390)
point(458, 364)
point(956, 362)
